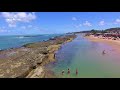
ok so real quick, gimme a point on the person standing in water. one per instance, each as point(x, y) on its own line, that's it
point(103, 52)
point(76, 71)
point(63, 72)
point(68, 71)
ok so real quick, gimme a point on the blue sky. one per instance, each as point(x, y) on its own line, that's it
point(12, 23)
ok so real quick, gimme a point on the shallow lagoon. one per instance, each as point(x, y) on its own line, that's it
point(87, 57)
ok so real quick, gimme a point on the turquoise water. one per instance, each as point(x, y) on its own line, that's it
point(7, 42)
point(87, 57)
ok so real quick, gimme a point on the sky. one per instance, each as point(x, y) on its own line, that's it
point(21, 23)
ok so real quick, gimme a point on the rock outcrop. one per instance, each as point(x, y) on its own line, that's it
point(29, 60)
point(36, 73)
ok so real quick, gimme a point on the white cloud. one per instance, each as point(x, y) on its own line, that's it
point(101, 23)
point(27, 27)
point(37, 28)
point(12, 18)
point(117, 21)
point(74, 18)
point(77, 26)
point(87, 23)
point(2, 30)
point(12, 25)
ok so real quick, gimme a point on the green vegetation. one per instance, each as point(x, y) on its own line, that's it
point(103, 31)
point(94, 31)
point(31, 45)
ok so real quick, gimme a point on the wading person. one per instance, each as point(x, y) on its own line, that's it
point(76, 71)
point(63, 72)
point(68, 71)
point(103, 52)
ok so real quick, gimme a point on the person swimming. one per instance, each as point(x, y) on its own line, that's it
point(68, 71)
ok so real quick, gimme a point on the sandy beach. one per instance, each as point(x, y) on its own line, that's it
point(114, 43)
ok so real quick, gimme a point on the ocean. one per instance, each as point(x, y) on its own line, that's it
point(15, 41)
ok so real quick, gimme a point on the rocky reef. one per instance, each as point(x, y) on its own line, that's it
point(28, 61)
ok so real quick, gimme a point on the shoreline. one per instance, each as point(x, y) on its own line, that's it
point(28, 61)
point(113, 43)
point(26, 43)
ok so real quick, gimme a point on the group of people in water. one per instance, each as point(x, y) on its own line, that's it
point(68, 72)
point(76, 72)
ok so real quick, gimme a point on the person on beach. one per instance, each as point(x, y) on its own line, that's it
point(68, 71)
point(63, 72)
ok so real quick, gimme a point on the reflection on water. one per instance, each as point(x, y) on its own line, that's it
point(87, 57)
